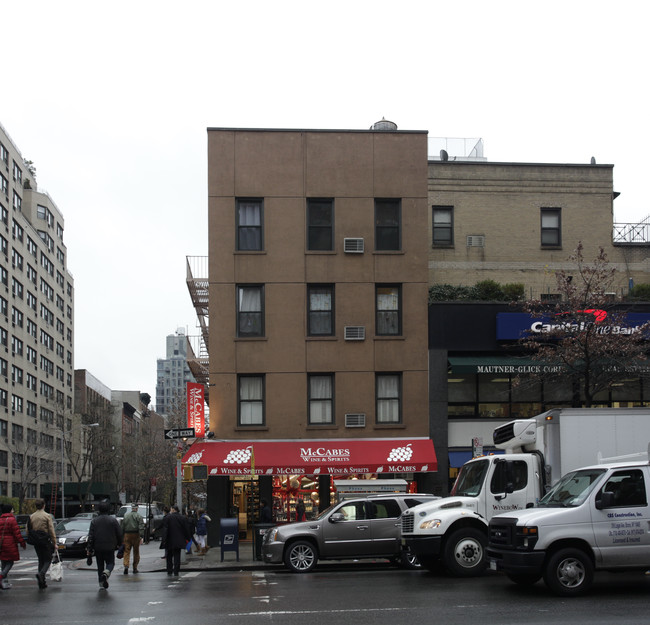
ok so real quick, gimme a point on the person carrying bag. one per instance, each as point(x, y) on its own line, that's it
point(56, 568)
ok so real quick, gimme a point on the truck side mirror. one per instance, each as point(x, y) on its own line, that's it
point(606, 500)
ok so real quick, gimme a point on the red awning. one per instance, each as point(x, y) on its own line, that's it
point(315, 457)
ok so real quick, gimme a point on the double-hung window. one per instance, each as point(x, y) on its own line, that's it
point(443, 225)
point(551, 227)
point(250, 310)
point(251, 400)
point(320, 225)
point(321, 399)
point(320, 319)
point(388, 313)
point(389, 391)
point(250, 222)
point(388, 222)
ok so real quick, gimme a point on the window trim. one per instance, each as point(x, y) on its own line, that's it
point(239, 227)
point(261, 401)
point(398, 287)
point(449, 241)
point(379, 399)
point(310, 330)
point(554, 211)
point(238, 290)
point(397, 202)
point(312, 202)
point(330, 400)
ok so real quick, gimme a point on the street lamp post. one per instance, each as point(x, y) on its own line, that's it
point(83, 425)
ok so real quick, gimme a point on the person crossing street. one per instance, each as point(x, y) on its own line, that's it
point(133, 529)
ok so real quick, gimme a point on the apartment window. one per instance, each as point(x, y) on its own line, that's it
point(321, 399)
point(443, 225)
point(4, 154)
point(250, 311)
point(320, 225)
point(551, 227)
point(17, 202)
point(3, 428)
point(388, 221)
point(389, 310)
point(250, 233)
point(388, 388)
point(4, 185)
point(320, 320)
point(18, 173)
point(251, 400)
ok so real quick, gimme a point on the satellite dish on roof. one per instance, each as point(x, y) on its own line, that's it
point(443, 155)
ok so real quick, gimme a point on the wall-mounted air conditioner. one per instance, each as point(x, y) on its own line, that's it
point(353, 246)
point(355, 333)
point(475, 240)
point(355, 420)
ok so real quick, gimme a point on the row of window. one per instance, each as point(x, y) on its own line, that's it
point(251, 393)
point(443, 226)
point(320, 224)
point(320, 310)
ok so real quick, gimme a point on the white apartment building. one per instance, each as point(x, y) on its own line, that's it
point(36, 333)
point(173, 373)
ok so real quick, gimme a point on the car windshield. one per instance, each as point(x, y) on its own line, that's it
point(73, 524)
point(572, 489)
point(470, 479)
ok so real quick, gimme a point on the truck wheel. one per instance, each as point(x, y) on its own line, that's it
point(301, 557)
point(408, 560)
point(569, 572)
point(464, 552)
point(524, 580)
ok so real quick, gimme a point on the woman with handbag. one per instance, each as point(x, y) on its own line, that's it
point(10, 538)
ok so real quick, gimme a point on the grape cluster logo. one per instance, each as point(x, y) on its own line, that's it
point(194, 458)
point(238, 456)
point(400, 454)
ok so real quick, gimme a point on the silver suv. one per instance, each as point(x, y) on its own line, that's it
point(364, 527)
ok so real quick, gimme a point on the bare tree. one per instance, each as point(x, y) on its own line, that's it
point(586, 336)
point(30, 461)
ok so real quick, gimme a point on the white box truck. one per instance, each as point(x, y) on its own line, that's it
point(453, 531)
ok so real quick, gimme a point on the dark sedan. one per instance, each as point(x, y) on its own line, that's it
point(72, 537)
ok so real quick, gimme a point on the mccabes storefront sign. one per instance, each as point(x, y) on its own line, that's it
point(515, 326)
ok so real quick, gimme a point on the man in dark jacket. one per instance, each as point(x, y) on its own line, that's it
point(104, 537)
point(176, 533)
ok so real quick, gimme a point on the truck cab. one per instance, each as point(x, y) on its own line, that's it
point(453, 531)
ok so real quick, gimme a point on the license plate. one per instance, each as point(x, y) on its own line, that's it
point(493, 565)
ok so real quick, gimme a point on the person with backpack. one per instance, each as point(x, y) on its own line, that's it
point(42, 536)
point(10, 538)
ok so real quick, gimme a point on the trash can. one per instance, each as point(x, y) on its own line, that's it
point(259, 529)
point(229, 536)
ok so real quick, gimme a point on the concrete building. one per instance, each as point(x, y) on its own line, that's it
point(317, 299)
point(173, 373)
point(36, 332)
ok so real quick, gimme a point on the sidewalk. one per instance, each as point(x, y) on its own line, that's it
point(151, 560)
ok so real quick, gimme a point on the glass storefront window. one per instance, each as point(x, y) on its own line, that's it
point(494, 411)
point(558, 391)
point(462, 388)
point(528, 389)
point(493, 388)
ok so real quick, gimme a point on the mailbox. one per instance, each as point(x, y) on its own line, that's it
point(229, 535)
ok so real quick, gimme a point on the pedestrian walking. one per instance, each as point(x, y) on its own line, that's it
point(202, 531)
point(266, 515)
point(10, 538)
point(104, 537)
point(133, 530)
point(177, 533)
point(300, 511)
point(43, 537)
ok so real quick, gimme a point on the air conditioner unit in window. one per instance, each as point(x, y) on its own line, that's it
point(475, 240)
point(355, 333)
point(353, 246)
point(355, 420)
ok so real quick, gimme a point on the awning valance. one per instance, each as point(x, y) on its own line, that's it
point(315, 457)
point(493, 364)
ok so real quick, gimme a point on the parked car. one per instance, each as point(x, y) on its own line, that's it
point(86, 515)
point(72, 536)
point(363, 527)
point(154, 514)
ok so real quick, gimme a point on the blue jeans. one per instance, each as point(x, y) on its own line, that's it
point(105, 561)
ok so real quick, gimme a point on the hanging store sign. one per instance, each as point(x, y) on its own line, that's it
point(196, 408)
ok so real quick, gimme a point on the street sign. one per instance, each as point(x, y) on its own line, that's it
point(180, 433)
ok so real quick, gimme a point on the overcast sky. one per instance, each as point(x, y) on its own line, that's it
point(111, 102)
